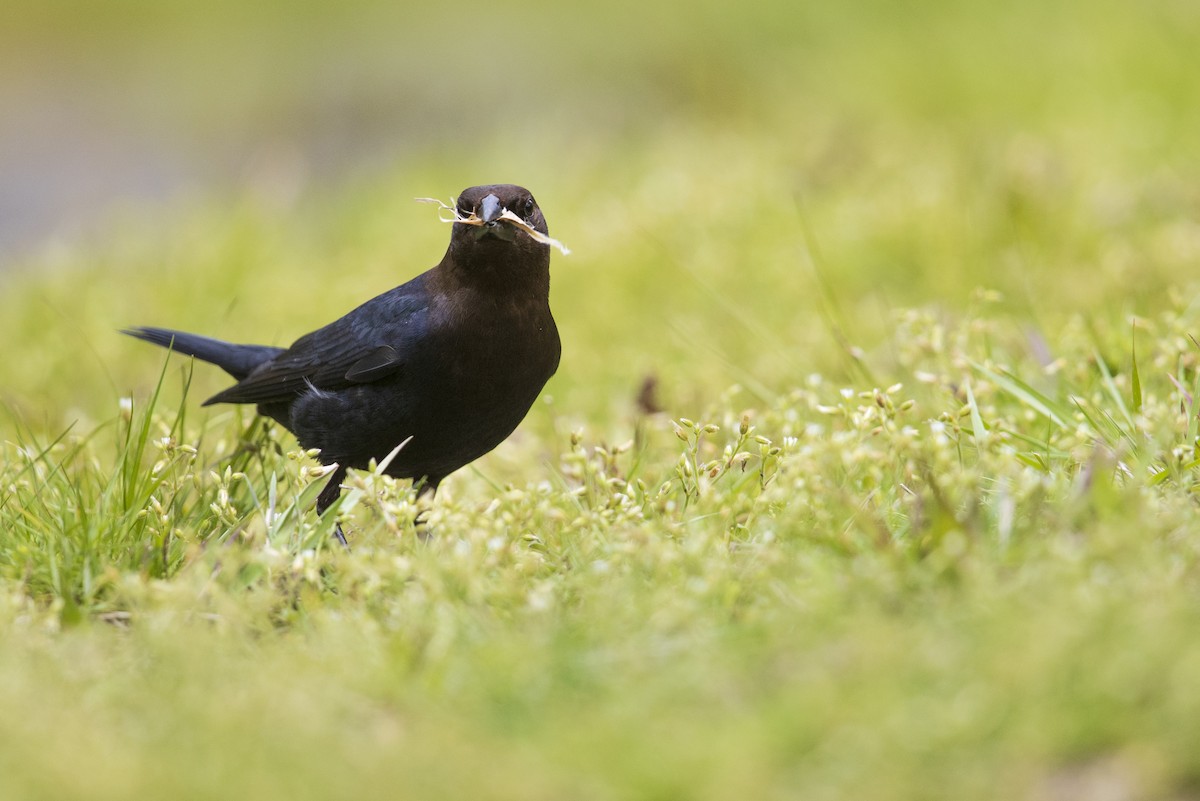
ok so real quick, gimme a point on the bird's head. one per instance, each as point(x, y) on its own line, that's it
point(498, 212)
point(499, 236)
point(500, 217)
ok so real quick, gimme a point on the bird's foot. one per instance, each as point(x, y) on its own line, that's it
point(421, 525)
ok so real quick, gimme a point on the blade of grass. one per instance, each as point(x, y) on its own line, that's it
point(979, 431)
point(1026, 394)
point(1135, 379)
point(1113, 392)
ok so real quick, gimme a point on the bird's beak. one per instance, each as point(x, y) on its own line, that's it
point(489, 210)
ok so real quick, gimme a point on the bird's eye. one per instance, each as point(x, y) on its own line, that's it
point(464, 207)
point(529, 206)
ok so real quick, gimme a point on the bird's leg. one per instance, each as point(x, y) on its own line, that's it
point(331, 493)
point(426, 493)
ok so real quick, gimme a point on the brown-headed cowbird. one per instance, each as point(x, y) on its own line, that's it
point(448, 363)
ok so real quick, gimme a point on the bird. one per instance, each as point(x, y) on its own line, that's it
point(442, 368)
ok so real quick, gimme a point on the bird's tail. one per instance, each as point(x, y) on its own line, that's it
point(237, 360)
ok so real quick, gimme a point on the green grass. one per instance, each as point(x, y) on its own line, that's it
point(918, 519)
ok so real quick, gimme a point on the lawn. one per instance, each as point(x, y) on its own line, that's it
point(870, 470)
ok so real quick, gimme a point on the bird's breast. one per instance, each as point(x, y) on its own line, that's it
point(503, 348)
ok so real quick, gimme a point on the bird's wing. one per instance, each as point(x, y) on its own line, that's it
point(366, 345)
point(378, 363)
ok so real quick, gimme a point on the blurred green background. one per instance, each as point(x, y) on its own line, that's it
point(964, 602)
point(958, 594)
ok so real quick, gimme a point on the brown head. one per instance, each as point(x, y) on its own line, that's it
point(492, 246)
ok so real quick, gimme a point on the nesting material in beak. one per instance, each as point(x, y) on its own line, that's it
point(504, 216)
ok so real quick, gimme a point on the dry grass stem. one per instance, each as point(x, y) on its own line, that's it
point(507, 216)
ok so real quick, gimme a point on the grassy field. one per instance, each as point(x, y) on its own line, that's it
point(917, 519)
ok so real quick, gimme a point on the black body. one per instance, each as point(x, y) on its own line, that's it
point(453, 359)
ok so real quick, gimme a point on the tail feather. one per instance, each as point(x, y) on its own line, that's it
point(237, 360)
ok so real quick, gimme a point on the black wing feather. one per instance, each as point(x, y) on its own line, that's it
point(377, 364)
point(366, 345)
